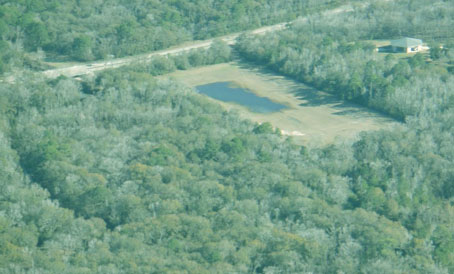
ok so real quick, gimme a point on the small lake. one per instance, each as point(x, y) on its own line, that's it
point(227, 92)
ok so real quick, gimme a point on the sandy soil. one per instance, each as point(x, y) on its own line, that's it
point(312, 116)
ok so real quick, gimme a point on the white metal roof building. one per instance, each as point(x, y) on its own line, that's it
point(406, 45)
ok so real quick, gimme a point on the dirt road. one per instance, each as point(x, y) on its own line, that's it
point(88, 68)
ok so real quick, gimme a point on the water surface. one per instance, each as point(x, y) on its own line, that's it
point(227, 92)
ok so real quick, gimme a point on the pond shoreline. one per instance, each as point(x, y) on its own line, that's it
point(233, 93)
point(311, 116)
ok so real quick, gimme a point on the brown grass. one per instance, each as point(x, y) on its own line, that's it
point(312, 116)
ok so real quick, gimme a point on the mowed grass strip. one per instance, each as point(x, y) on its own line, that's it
point(312, 116)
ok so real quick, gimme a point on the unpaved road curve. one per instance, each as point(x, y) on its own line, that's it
point(88, 68)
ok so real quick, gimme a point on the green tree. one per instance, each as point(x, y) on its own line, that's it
point(81, 48)
point(37, 36)
point(435, 52)
point(263, 128)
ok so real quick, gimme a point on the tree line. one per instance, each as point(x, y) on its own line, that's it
point(91, 30)
point(125, 172)
point(337, 57)
point(406, 167)
point(146, 175)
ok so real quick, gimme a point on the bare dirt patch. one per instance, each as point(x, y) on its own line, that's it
point(311, 116)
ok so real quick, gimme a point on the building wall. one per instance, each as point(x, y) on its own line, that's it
point(414, 49)
point(399, 49)
point(407, 50)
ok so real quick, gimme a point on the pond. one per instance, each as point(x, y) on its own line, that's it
point(228, 92)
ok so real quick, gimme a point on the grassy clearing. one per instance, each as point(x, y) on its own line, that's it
point(312, 116)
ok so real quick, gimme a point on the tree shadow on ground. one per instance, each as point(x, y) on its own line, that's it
point(311, 97)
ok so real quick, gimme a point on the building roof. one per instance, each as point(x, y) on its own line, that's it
point(406, 42)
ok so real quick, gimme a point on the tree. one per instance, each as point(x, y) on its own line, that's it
point(37, 36)
point(220, 51)
point(125, 30)
point(435, 52)
point(81, 48)
point(263, 128)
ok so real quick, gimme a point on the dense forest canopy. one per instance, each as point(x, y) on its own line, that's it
point(147, 176)
point(87, 30)
point(123, 172)
point(336, 56)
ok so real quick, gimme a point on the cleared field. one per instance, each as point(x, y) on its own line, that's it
point(312, 116)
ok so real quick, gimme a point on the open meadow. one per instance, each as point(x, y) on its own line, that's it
point(312, 116)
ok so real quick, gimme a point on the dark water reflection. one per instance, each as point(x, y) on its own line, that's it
point(227, 92)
